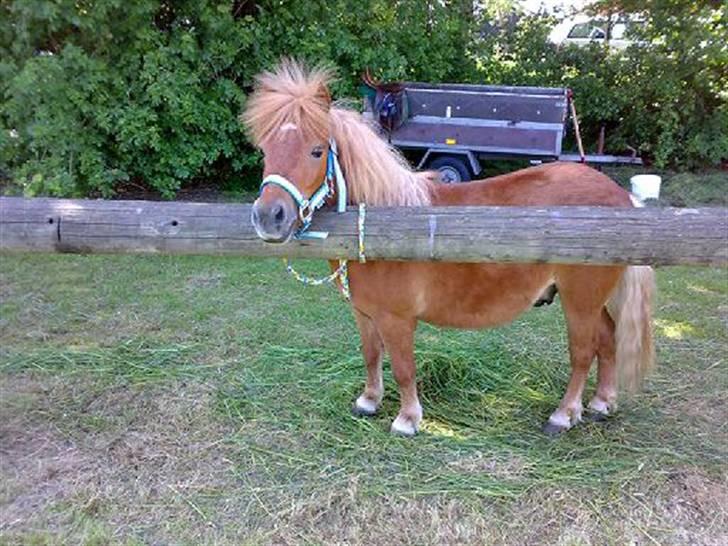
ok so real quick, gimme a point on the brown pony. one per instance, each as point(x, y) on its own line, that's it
point(291, 118)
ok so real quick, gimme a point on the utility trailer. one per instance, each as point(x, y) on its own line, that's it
point(452, 127)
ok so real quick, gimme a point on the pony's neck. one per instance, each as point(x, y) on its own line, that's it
point(376, 173)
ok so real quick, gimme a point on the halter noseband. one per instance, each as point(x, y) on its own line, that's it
point(307, 206)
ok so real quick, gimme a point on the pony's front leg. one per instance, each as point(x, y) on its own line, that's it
point(399, 339)
point(373, 351)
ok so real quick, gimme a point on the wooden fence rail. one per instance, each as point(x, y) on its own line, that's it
point(584, 235)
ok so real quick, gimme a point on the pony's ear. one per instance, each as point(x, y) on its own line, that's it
point(323, 94)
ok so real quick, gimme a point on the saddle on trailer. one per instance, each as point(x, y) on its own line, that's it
point(388, 102)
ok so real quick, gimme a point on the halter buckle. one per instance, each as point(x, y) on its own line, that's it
point(305, 211)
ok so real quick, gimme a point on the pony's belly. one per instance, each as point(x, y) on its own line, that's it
point(501, 313)
point(487, 309)
point(447, 294)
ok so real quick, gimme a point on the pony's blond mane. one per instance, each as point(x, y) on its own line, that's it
point(375, 172)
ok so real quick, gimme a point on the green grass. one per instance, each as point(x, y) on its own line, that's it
point(206, 400)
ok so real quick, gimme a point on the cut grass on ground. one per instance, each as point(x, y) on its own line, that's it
point(206, 401)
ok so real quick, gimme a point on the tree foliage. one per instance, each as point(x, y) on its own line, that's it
point(100, 93)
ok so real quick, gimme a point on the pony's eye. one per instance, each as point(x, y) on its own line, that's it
point(317, 152)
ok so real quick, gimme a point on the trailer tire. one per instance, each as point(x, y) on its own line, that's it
point(452, 169)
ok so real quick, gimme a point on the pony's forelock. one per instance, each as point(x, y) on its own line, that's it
point(290, 93)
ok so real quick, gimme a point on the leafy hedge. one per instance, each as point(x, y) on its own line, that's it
point(96, 94)
point(666, 95)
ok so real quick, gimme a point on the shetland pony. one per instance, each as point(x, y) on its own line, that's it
point(291, 118)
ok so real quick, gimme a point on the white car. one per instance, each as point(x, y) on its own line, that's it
point(584, 30)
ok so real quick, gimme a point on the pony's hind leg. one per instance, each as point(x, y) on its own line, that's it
point(604, 402)
point(584, 291)
point(373, 351)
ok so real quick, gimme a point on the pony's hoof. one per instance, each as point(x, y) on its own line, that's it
point(595, 416)
point(403, 426)
point(599, 411)
point(356, 411)
point(364, 407)
point(562, 420)
point(553, 430)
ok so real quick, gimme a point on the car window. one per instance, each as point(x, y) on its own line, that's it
point(587, 31)
point(580, 30)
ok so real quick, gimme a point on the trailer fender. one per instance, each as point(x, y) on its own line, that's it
point(469, 156)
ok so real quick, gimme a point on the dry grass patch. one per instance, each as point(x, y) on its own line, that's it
point(130, 456)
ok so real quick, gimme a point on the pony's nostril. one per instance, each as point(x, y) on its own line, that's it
point(278, 213)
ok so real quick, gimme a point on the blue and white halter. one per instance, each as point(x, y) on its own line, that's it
point(334, 178)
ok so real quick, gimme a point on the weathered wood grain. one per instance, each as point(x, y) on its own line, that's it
point(584, 235)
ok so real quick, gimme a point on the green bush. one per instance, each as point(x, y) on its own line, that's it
point(100, 94)
point(95, 94)
point(114, 92)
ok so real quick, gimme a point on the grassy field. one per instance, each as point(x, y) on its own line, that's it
point(167, 400)
point(162, 400)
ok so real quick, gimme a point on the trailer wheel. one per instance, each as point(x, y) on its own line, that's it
point(452, 169)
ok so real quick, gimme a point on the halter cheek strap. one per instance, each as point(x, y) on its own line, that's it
point(334, 177)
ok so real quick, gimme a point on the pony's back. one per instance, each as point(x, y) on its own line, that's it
point(549, 184)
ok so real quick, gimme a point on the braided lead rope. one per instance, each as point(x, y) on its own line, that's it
point(342, 272)
point(360, 225)
point(311, 281)
point(344, 280)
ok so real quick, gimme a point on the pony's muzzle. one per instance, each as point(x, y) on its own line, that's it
point(274, 221)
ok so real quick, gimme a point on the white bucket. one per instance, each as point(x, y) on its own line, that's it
point(646, 186)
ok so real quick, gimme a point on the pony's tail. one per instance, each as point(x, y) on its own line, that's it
point(630, 306)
